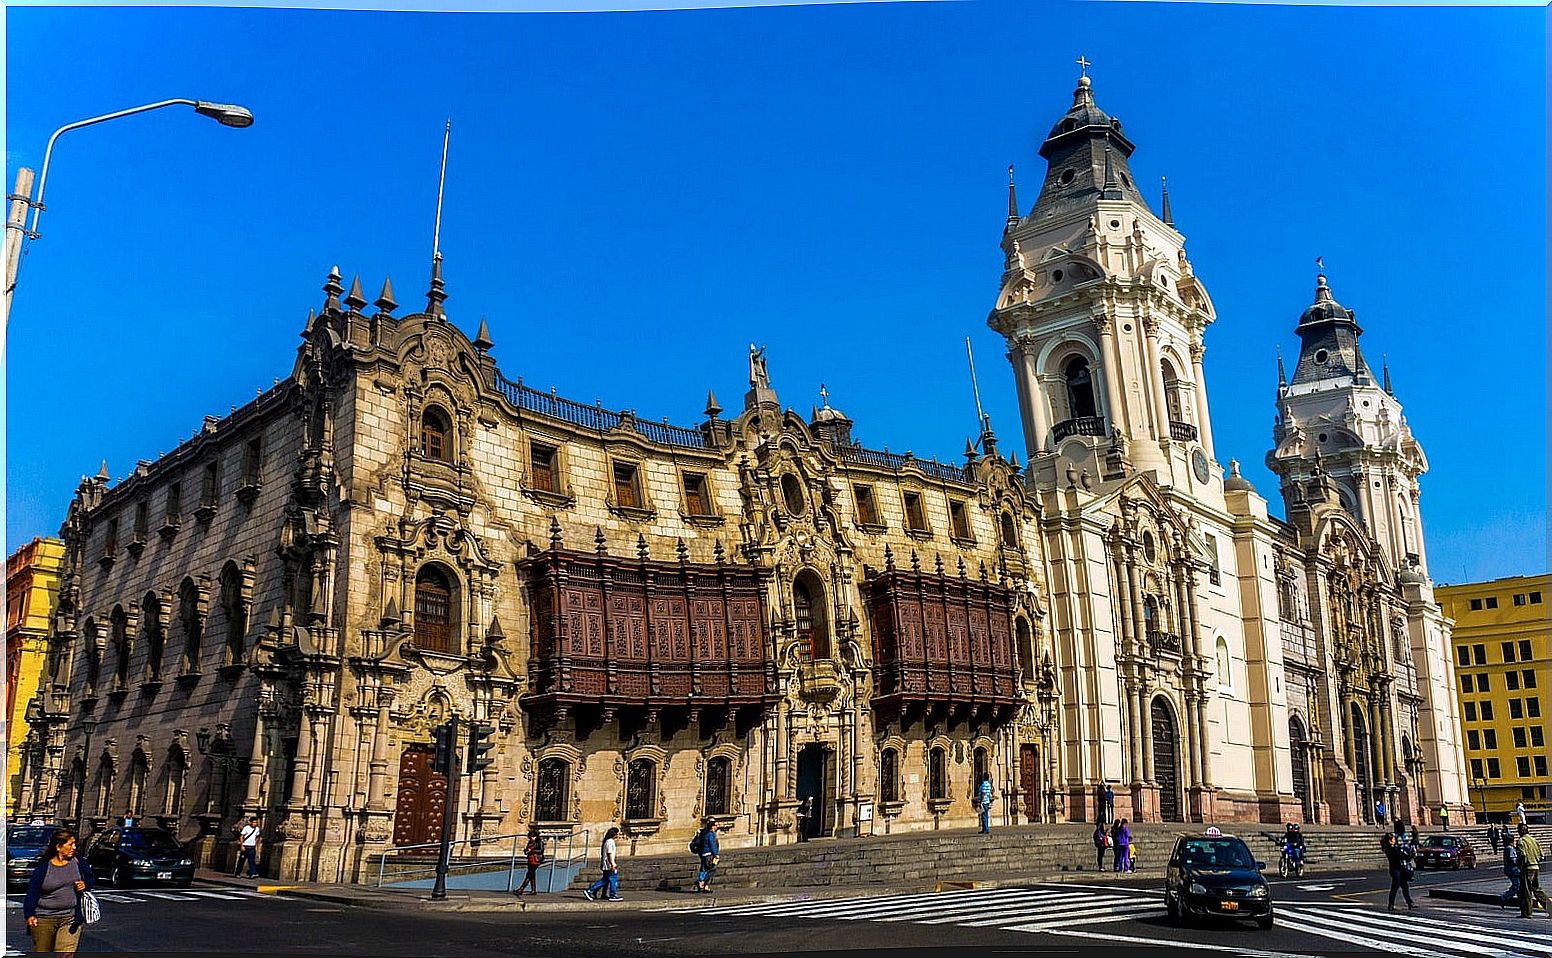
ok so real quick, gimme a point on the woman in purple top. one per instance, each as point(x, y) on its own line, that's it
point(52, 905)
point(1123, 852)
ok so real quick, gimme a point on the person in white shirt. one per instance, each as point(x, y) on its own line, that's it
point(609, 862)
point(248, 848)
point(1519, 813)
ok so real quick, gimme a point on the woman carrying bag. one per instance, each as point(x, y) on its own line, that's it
point(53, 904)
point(534, 853)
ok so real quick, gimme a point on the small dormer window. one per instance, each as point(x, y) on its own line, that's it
point(1067, 177)
point(1056, 276)
point(1321, 356)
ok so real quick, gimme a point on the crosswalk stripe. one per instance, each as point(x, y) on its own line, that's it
point(169, 896)
point(792, 908)
point(1064, 906)
point(946, 913)
point(1087, 918)
point(1457, 930)
point(1337, 929)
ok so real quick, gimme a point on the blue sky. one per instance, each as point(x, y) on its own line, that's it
point(633, 198)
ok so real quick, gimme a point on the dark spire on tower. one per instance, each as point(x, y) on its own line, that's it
point(1169, 219)
point(436, 295)
point(1013, 213)
point(1385, 365)
point(332, 290)
point(1282, 377)
point(482, 338)
point(385, 303)
point(712, 409)
point(1112, 186)
point(355, 299)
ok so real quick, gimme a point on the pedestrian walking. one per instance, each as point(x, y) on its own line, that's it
point(247, 847)
point(709, 850)
point(983, 801)
point(52, 908)
point(1124, 847)
point(1519, 813)
point(804, 814)
point(533, 854)
point(608, 884)
point(1109, 803)
point(1101, 842)
point(1099, 803)
point(1511, 868)
point(1531, 894)
point(1444, 817)
point(1416, 841)
point(1115, 846)
point(1379, 812)
point(1396, 860)
point(1492, 838)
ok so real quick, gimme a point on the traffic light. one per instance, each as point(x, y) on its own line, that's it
point(479, 744)
point(443, 738)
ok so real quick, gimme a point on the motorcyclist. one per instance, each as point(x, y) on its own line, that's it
point(1293, 845)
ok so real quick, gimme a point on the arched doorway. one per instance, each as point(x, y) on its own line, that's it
point(1362, 773)
point(1165, 767)
point(814, 782)
point(1029, 781)
point(1298, 754)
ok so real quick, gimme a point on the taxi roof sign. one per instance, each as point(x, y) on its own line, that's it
point(1212, 832)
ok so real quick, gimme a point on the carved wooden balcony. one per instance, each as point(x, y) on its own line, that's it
point(1081, 426)
point(616, 632)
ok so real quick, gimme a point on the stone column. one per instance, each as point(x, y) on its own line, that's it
point(1035, 391)
point(1203, 422)
point(1154, 376)
point(377, 774)
point(1134, 603)
point(1107, 347)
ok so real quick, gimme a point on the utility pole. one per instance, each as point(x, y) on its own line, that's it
point(446, 756)
point(15, 232)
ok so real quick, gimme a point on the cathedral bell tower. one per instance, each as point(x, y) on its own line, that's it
point(1104, 318)
point(1338, 427)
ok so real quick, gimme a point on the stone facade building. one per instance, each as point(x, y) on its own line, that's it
point(664, 623)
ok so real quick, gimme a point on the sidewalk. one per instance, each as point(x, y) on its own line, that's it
point(464, 900)
point(1483, 891)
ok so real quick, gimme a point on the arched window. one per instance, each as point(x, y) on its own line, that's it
point(1009, 532)
point(1174, 394)
point(1080, 389)
point(105, 776)
point(92, 653)
point(188, 621)
point(433, 610)
point(156, 637)
point(937, 773)
point(980, 766)
point(808, 610)
point(436, 435)
point(139, 771)
point(234, 613)
point(640, 789)
point(719, 773)
point(118, 622)
point(177, 778)
point(1405, 527)
point(792, 493)
point(889, 775)
point(1026, 649)
point(1225, 670)
point(1150, 620)
point(552, 791)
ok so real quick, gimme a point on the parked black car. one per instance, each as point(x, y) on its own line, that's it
point(124, 855)
point(23, 845)
point(1216, 874)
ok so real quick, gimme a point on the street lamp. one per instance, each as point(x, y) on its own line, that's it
point(1481, 784)
point(227, 114)
point(88, 725)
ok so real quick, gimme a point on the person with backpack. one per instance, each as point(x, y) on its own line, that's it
point(983, 802)
point(609, 863)
point(533, 852)
point(709, 851)
point(1101, 842)
point(53, 906)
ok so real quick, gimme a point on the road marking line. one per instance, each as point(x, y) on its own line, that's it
point(1033, 905)
point(878, 904)
point(1024, 902)
point(1079, 909)
point(1319, 925)
point(781, 906)
point(166, 895)
point(1085, 919)
point(876, 909)
point(1133, 939)
point(1443, 929)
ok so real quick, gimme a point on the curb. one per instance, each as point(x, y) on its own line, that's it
point(1456, 894)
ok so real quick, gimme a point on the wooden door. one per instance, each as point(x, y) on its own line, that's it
point(1165, 768)
point(417, 816)
point(1029, 781)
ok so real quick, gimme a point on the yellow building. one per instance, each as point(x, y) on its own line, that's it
point(1505, 687)
point(31, 586)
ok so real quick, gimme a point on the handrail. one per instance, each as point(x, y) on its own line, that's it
point(513, 856)
point(892, 460)
point(595, 417)
point(382, 858)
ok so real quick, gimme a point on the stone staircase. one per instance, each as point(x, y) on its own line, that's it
point(962, 854)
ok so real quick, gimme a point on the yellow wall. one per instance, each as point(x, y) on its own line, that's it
point(1488, 615)
point(31, 586)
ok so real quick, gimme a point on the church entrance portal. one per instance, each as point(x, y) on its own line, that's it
point(1165, 768)
point(814, 782)
point(417, 815)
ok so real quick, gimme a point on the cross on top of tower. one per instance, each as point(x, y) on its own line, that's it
point(1083, 63)
point(824, 395)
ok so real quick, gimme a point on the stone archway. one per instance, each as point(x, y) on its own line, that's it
point(1166, 765)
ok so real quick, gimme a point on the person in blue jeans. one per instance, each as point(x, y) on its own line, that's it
point(711, 853)
point(983, 801)
point(608, 860)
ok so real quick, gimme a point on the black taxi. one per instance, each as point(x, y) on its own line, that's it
point(1213, 874)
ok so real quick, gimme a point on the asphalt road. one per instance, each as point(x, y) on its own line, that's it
point(1326, 914)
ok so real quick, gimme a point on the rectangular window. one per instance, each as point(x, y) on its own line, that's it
point(142, 520)
point(1535, 598)
point(1482, 683)
point(174, 501)
point(957, 518)
point(1465, 682)
point(1519, 598)
point(1541, 766)
point(1471, 711)
point(1533, 707)
point(1537, 736)
point(1480, 652)
point(1476, 605)
point(1512, 679)
point(1492, 768)
point(1519, 736)
point(541, 474)
point(1492, 602)
point(1463, 654)
point(1508, 651)
point(695, 495)
point(625, 486)
point(1487, 711)
point(210, 487)
point(867, 514)
point(253, 460)
point(1522, 766)
point(913, 512)
point(1476, 768)
point(1473, 740)
point(1525, 655)
point(1214, 574)
point(1516, 709)
point(1528, 677)
point(110, 544)
point(1490, 739)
